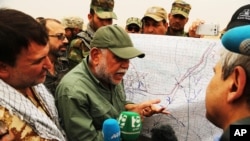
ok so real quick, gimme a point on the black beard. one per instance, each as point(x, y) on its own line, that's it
point(58, 53)
point(177, 30)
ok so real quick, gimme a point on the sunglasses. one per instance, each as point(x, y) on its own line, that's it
point(59, 36)
point(133, 28)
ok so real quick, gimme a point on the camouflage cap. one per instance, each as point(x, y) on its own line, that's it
point(117, 40)
point(156, 13)
point(180, 7)
point(72, 22)
point(134, 20)
point(103, 8)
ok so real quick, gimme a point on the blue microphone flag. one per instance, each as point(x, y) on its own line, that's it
point(111, 130)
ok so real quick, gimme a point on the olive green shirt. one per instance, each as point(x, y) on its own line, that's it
point(84, 103)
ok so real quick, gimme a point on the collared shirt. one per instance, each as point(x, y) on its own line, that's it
point(226, 134)
point(84, 103)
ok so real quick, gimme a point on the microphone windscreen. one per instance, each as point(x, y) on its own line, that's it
point(111, 130)
point(130, 125)
point(237, 40)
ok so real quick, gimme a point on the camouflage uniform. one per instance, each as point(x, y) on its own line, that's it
point(25, 118)
point(79, 47)
point(182, 8)
point(74, 24)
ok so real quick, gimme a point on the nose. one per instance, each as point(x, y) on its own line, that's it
point(125, 64)
point(65, 41)
point(133, 31)
point(150, 29)
point(106, 21)
point(47, 63)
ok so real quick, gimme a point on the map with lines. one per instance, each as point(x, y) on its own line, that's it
point(176, 70)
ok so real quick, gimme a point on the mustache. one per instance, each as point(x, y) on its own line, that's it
point(122, 71)
point(62, 46)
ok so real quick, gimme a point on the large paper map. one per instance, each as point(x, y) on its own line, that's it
point(176, 70)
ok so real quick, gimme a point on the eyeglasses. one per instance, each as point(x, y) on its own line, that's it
point(133, 28)
point(59, 36)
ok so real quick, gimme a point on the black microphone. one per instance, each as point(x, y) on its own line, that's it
point(111, 130)
point(130, 125)
point(237, 39)
point(163, 133)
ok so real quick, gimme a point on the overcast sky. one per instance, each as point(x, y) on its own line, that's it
point(212, 11)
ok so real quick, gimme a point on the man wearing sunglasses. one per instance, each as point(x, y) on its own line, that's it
point(133, 25)
point(57, 43)
point(101, 14)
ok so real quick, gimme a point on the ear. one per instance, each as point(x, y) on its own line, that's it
point(90, 16)
point(95, 54)
point(238, 79)
point(4, 73)
point(187, 19)
point(166, 25)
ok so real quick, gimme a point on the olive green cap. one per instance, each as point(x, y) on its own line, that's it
point(117, 40)
point(103, 8)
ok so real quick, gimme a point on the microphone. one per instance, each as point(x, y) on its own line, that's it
point(163, 133)
point(237, 40)
point(130, 125)
point(111, 130)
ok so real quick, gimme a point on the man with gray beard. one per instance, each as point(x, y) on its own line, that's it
point(93, 90)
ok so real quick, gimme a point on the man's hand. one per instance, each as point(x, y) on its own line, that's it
point(193, 28)
point(147, 108)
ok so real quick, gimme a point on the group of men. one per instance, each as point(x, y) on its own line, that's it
point(156, 20)
point(76, 105)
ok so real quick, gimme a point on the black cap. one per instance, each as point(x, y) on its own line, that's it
point(240, 17)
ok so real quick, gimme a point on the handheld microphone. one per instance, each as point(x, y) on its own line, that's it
point(111, 130)
point(130, 125)
point(237, 40)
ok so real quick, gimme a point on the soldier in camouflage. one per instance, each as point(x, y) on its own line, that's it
point(178, 18)
point(73, 25)
point(101, 14)
point(133, 25)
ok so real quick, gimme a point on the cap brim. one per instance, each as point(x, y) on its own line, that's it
point(179, 13)
point(236, 24)
point(133, 23)
point(154, 17)
point(127, 52)
point(106, 15)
